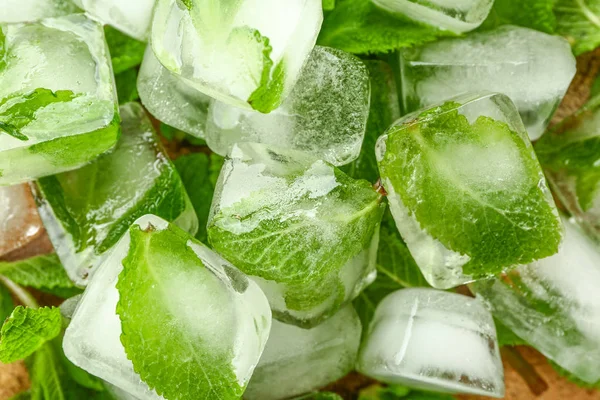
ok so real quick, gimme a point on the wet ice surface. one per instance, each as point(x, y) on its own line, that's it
point(33, 10)
point(433, 340)
point(132, 17)
point(19, 219)
point(220, 48)
point(454, 15)
point(449, 67)
point(297, 360)
point(554, 304)
point(324, 115)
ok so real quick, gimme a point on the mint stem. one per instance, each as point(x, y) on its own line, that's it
point(20, 293)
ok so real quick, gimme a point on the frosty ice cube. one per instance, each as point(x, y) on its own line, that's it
point(57, 113)
point(453, 15)
point(33, 10)
point(554, 305)
point(244, 52)
point(570, 157)
point(19, 219)
point(433, 340)
point(466, 190)
point(234, 314)
point(305, 231)
point(170, 99)
point(449, 67)
point(325, 114)
point(297, 361)
point(87, 210)
point(132, 17)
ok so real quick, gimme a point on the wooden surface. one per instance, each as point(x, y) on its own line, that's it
point(541, 382)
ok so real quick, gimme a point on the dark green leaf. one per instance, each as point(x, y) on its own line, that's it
point(579, 22)
point(534, 14)
point(506, 337)
point(396, 392)
point(26, 330)
point(328, 5)
point(174, 134)
point(126, 82)
point(125, 51)
point(6, 303)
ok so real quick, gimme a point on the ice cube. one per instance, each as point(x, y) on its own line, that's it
point(325, 114)
point(170, 99)
point(433, 340)
point(58, 105)
point(86, 211)
point(243, 52)
point(466, 190)
point(33, 10)
point(305, 231)
point(554, 304)
point(570, 157)
point(297, 361)
point(19, 219)
point(92, 340)
point(453, 15)
point(131, 17)
point(510, 60)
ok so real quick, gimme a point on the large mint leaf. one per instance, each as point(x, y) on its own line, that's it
point(579, 22)
point(358, 26)
point(197, 173)
point(534, 14)
point(125, 52)
point(26, 330)
point(485, 208)
point(161, 274)
point(384, 110)
point(44, 273)
point(19, 110)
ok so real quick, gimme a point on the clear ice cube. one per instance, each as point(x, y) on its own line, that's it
point(19, 219)
point(453, 15)
point(301, 228)
point(66, 107)
point(92, 340)
point(132, 17)
point(243, 52)
point(86, 211)
point(170, 99)
point(466, 190)
point(297, 361)
point(325, 114)
point(433, 340)
point(32, 10)
point(554, 304)
point(449, 67)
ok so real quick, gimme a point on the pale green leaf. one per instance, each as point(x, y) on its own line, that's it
point(534, 14)
point(328, 5)
point(125, 51)
point(579, 22)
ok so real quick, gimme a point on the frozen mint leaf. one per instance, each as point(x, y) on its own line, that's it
point(20, 109)
point(358, 26)
point(125, 51)
point(506, 337)
point(155, 322)
point(579, 22)
point(534, 14)
point(384, 110)
point(197, 172)
point(44, 273)
point(26, 330)
point(126, 82)
point(328, 5)
point(6, 303)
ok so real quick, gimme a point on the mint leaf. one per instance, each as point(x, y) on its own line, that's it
point(397, 392)
point(358, 26)
point(534, 14)
point(44, 273)
point(125, 51)
point(6, 303)
point(26, 330)
point(506, 337)
point(21, 108)
point(384, 110)
point(328, 5)
point(126, 82)
point(572, 378)
point(320, 396)
point(579, 22)
point(197, 172)
point(162, 272)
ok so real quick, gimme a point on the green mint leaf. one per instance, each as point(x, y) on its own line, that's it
point(197, 173)
point(534, 14)
point(384, 110)
point(126, 82)
point(442, 186)
point(397, 392)
point(21, 396)
point(320, 396)
point(572, 378)
point(21, 108)
point(151, 313)
point(358, 26)
point(506, 337)
point(173, 134)
point(44, 273)
point(7, 304)
point(26, 330)
point(125, 51)
point(579, 22)
point(328, 5)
